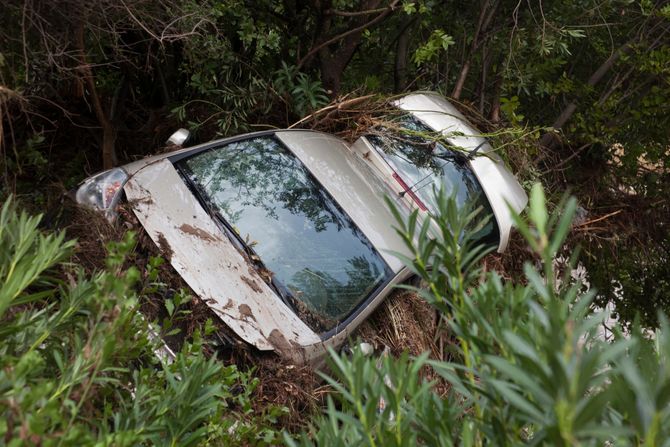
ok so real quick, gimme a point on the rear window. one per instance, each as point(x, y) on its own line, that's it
point(275, 205)
point(426, 165)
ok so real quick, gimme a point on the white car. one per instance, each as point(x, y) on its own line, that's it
point(284, 234)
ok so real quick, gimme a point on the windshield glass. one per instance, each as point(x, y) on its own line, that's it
point(301, 235)
point(426, 165)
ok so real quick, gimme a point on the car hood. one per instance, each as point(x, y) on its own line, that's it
point(499, 184)
point(211, 265)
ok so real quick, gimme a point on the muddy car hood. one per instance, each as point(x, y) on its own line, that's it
point(210, 264)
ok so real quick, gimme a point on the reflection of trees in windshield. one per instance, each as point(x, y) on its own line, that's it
point(329, 296)
point(299, 232)
point(411, 148)
point(425, 166)
point(427, 163)
point(261, 174)
point(416, 143)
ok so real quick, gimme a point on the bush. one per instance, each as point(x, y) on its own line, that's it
point(527, 364)
point(77, 366)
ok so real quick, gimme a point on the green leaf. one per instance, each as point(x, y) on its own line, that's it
point(538, 208)
point(509, 393)
point(169, 306)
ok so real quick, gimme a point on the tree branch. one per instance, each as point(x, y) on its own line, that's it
point(485, 17)
point(380, 17)
point(548, 138)
point(108, 146)
point(354, 13)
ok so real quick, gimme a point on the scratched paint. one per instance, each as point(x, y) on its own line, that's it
point(211, 265)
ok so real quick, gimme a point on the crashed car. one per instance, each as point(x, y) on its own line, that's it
point(284, 234)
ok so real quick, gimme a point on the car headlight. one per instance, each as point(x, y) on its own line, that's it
point(102, 191)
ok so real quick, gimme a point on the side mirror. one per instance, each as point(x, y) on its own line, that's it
point(179, 138)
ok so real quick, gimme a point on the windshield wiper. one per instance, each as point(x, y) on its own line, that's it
point(473, 153)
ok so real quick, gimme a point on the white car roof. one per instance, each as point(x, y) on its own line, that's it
point(360, 195)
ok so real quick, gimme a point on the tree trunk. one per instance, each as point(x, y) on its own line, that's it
point(109, 159)
point(481, 90)
point(494, 116)
point(108, 146)
point(401, 56)
point(549, 138)
point(331, 72)
point(485, 17)
point(458, 88)
point(334, 61)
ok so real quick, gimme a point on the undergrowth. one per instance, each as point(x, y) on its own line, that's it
point(528, 366)
point(77, 365)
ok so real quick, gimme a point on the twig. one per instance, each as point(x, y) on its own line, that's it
point(354, 13)
point(589, 222)
point(563, 162)
point(23, 37)
point(336, 106)
point(140, 23)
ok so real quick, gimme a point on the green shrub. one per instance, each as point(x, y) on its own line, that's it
point(77, 366)
point(526, 367)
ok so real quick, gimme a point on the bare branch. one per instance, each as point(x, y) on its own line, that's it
point(354, 13)
point(389, 9)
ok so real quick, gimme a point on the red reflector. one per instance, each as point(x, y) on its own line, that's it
point(409, 192)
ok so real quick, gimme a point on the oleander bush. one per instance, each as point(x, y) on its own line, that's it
point(528, 364)
point(77, 366)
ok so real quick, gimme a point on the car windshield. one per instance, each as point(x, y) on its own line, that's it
point(426, 165)
point(275, 205)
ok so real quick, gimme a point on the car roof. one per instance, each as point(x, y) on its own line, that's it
point(359, 194)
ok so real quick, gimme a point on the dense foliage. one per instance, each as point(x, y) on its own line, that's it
point(77, 365)
point(585, 82)
point(530, 364)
